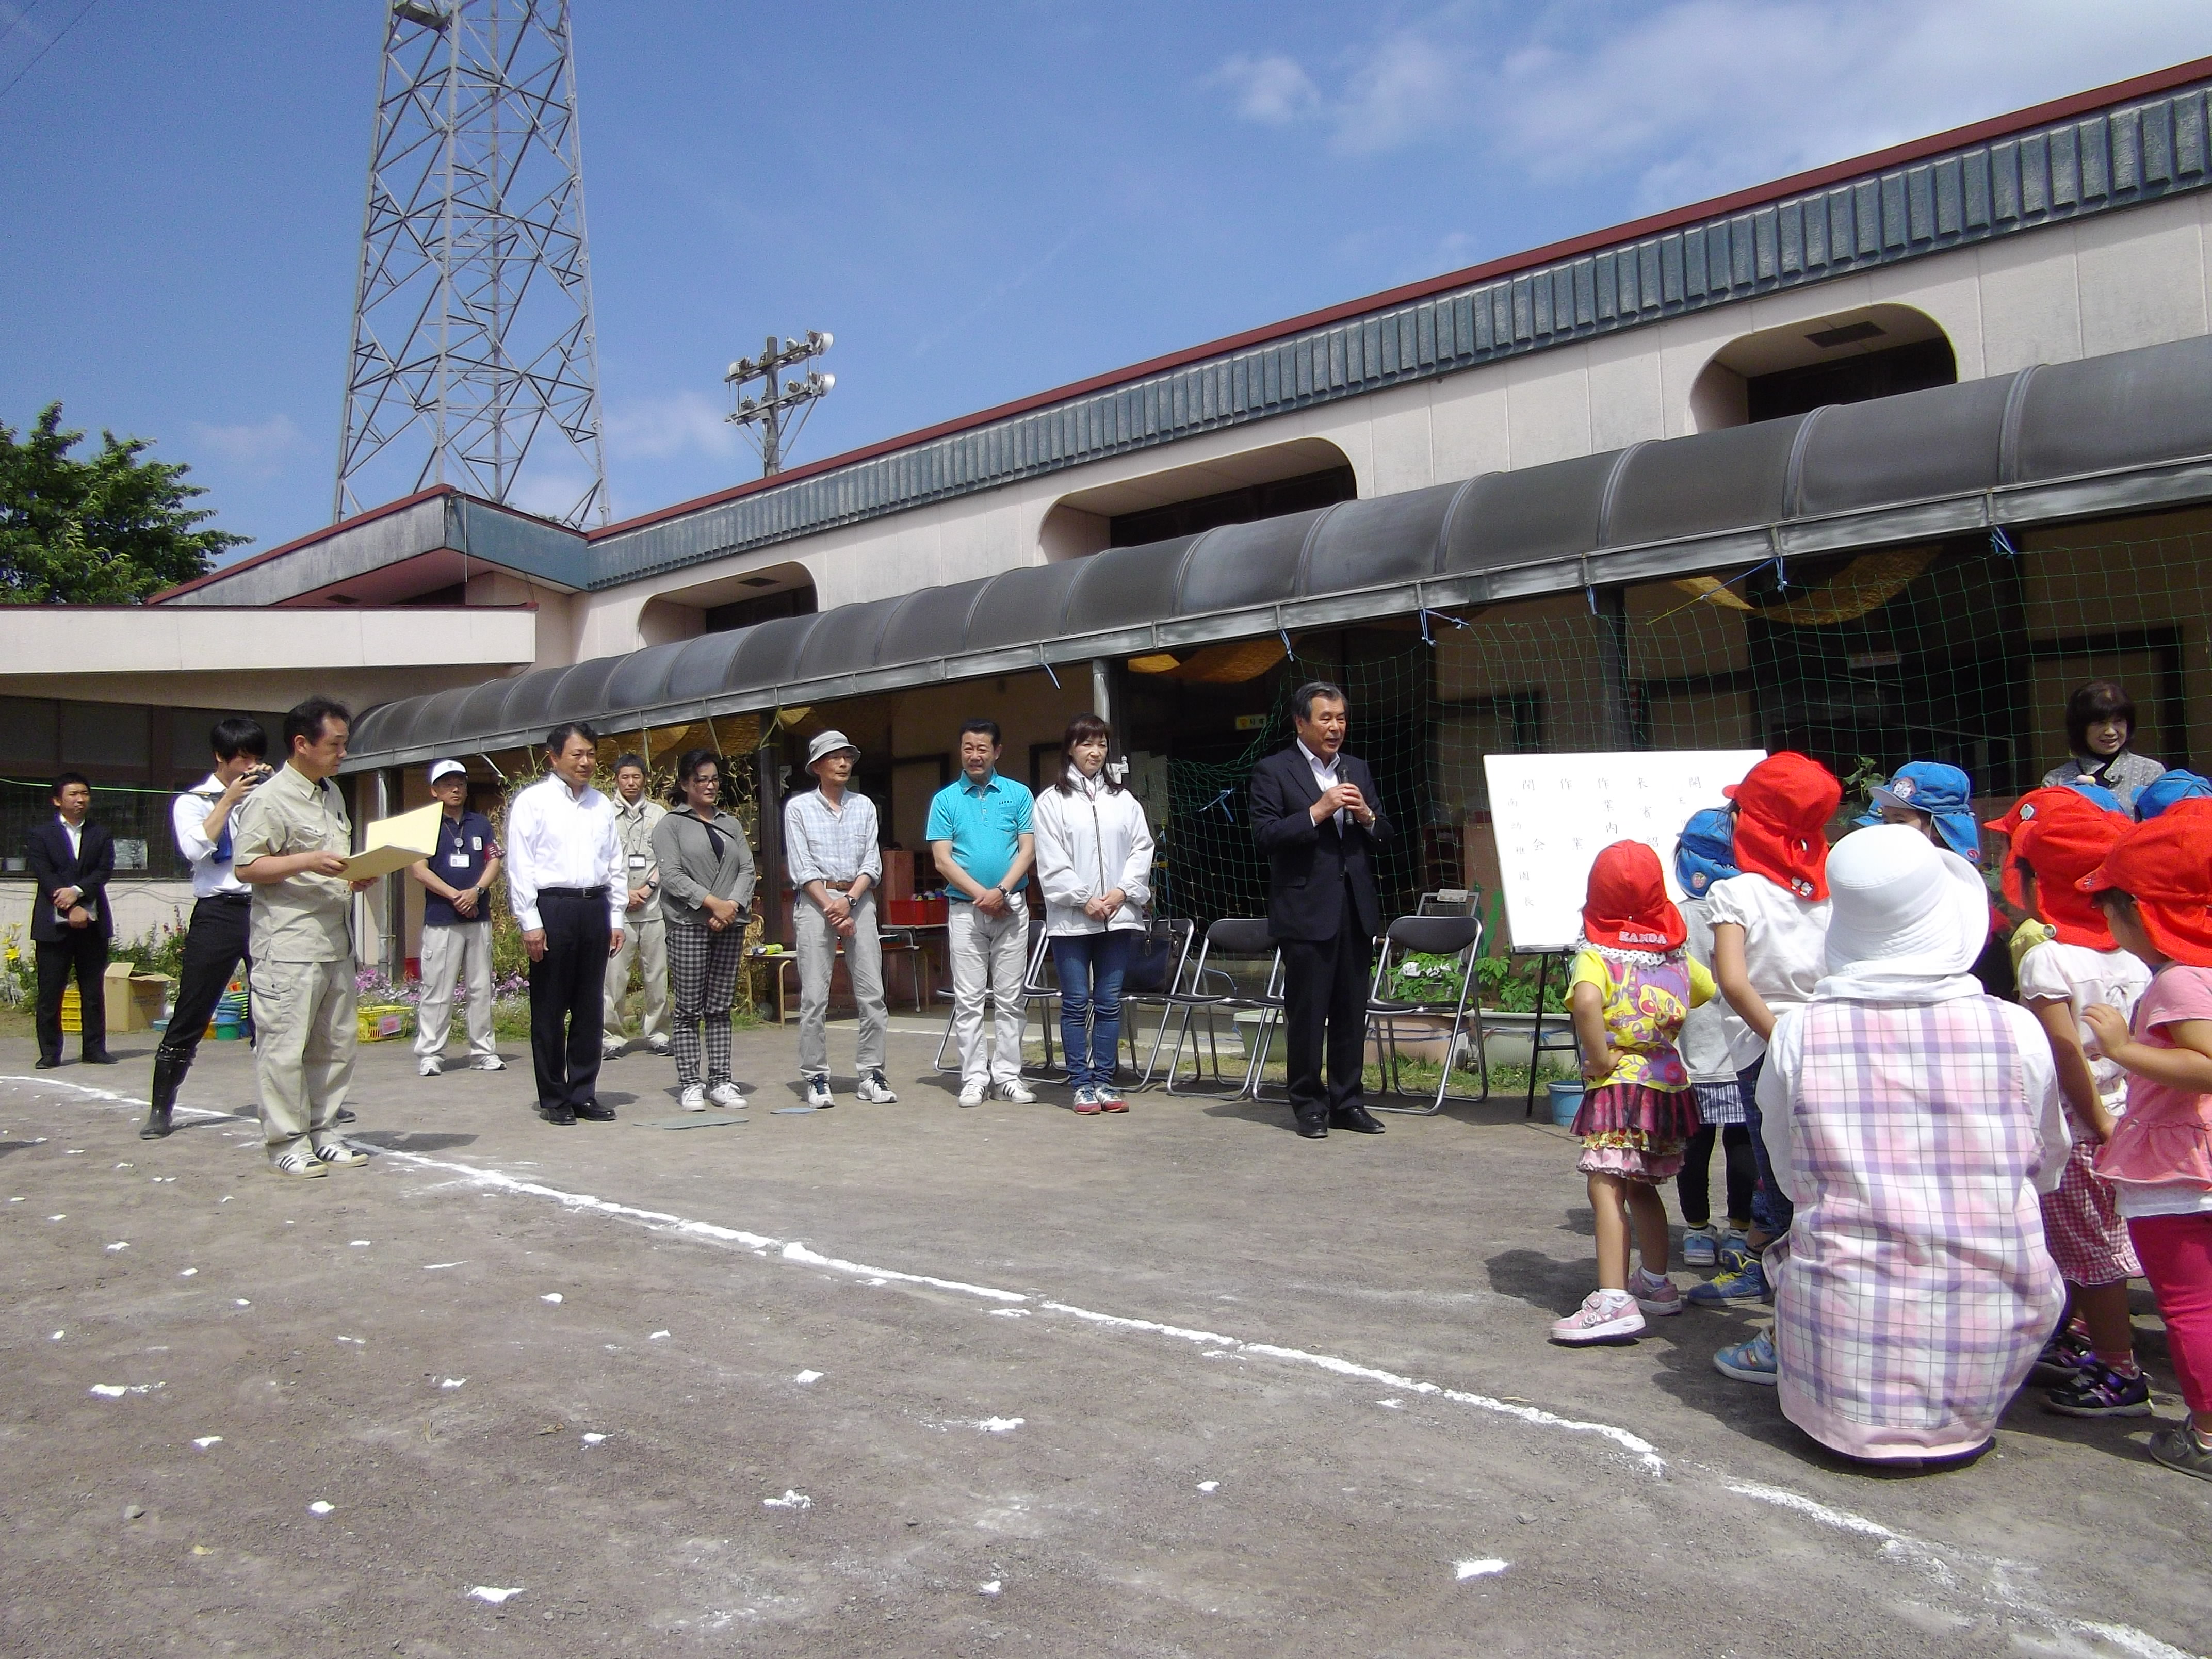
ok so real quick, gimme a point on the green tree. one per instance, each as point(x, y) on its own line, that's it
point(113, 530)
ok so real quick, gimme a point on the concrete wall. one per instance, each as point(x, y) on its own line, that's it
point(2122, 280)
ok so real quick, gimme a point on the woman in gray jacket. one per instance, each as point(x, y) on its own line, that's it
point(706, 890)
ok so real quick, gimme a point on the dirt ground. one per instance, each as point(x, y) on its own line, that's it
point(914, 1379)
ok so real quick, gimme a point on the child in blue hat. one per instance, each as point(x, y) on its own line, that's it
point(2170, 788)
point(1928, 794)
point(1706, 853)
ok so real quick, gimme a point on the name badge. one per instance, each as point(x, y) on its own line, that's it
point(475, 844)
point(456, 860)
point(637, 860)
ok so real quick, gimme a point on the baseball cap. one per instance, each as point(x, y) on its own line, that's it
point(447, 769)
point(1705, 853)
point(2165, 866)
point(1783, 808)
point(2179, 784)
point(1627, 907)
point(2062, 836)
point(1944, 793)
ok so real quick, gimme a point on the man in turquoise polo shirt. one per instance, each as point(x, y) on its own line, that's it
point(979, 836)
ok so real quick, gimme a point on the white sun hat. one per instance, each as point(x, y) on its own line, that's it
point(1902, 908)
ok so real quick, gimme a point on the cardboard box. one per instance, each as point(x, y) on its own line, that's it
point(134, 999)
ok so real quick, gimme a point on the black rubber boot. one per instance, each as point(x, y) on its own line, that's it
point(169, 1069)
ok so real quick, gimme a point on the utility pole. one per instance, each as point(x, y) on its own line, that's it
point(474, 354)
point(782, 406)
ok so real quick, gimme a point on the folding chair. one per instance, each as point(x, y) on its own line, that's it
point(1457, 936)
point(1041, 990)
point(1167, 942)
point(1214, 990)
point(991, 1004)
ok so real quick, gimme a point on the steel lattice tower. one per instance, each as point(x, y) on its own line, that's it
point(473, 347)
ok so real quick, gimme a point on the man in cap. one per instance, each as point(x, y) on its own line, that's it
point(645, 936)
point(456, 924)
point(831, 856)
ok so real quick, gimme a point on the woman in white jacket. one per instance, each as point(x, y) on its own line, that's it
point(1094, 860)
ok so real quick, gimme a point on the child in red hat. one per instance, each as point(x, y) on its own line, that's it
point(2155, 888)
point(2058, 836)
point(1769, 944)
point(1631, 988)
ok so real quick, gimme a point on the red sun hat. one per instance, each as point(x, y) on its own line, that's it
point(1783, 808)
point(2062, 836)
point(1628, 909)
point(2165, 866)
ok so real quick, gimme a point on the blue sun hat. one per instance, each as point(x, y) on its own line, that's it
point(2111, 802)
point(1705, 852)
point(1944, 793)
point(2174, 787)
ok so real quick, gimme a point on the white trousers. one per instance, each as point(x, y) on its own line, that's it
point(645, 942)
point(459, 955)
point(989, 954)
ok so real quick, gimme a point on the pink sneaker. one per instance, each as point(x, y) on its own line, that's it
point(1604, 1316)
point(1655, 1294)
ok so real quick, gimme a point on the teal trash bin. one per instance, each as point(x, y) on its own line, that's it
point(1566, 1101)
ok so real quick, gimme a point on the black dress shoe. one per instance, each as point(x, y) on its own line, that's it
point(1315, 1130)
point(596, 1113)
point(560, 1113)
point(42, 1063)
point(1356, 1118)
point(97, 1057)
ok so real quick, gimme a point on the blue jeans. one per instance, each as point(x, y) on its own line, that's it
point(1770, 1208)
point(1090, 967)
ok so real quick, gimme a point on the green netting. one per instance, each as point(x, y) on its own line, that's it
point(1962, 652)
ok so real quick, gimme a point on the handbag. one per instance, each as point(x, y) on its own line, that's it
point(1150, 963)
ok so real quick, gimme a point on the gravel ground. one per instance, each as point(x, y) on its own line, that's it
point(913, 1379)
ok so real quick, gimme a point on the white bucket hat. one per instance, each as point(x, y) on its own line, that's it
point(829, 743)
point(1902, 908)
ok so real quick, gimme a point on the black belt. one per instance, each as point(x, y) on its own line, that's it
point(227, 898)
point(572, 892)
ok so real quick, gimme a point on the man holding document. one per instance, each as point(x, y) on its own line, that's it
point(290, 845)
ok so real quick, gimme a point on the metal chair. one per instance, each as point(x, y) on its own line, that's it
point(1457, 936)
point(1214, 990)
point(899, 945)
point(1170, 938)
point(1041, 990)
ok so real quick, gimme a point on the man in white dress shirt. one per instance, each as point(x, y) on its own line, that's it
point(215, 942)
point(565, 882)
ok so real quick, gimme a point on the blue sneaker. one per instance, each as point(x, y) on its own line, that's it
point(1750, 1362)
point(1741, 1279)
point(1701, 1246)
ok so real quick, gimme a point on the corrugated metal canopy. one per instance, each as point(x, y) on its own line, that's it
point(2107, 435)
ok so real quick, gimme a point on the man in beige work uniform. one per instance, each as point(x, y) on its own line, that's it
point(645, 939)
point(289, 845)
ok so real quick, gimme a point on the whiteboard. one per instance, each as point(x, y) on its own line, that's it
point(1553, 813)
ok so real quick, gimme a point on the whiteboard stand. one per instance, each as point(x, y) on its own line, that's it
point(1536, 1043)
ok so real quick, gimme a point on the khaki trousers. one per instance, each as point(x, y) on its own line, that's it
point(818, 942)
point(645, 942)
point(990, 956)
point(305, 1037)
point(460, 954)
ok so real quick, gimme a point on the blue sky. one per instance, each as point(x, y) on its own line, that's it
point(979, 200)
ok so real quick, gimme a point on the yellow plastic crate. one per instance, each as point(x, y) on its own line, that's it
point(380, 1022)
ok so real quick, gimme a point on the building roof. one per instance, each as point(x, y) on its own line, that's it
point(2098, 151)
point(2125, 432)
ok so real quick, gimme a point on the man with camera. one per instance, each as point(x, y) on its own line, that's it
point(216, 942)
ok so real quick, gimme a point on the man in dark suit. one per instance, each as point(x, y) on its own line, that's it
point(71, 859)
point(1316, 816)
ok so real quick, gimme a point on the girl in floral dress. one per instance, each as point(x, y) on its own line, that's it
point(1631, 988)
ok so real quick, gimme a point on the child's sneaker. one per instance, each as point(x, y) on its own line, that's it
point(1604, 1316)
point(1751, 1362)
point(1654, 1293)
point(1741, 1279)
point(2098, 1390)
point(1701, 1246)
point(2182, 1447)
point(2064, 1358)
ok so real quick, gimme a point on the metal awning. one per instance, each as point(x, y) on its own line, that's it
point(2124, 433)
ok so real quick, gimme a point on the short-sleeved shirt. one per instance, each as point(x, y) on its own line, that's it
point(1645, 1003)
point(984, 823)
point(2079, 975)
point(2160, 1157)
point(302, 918)
point(1785, 949)
point(466, 845)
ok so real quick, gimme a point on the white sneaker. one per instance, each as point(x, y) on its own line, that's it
point(335, 1152)
point(1013, 1089)
point(429, 1066)
point(817, 1090)
point(694, 1099)
point(874, 1091)
point(610, 1047)
point(660, 1046)
point(725, 1095)
point(295, 1163)
point(488, 1063)
point(972, 1091)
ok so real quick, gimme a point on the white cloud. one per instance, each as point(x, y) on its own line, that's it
point(675, 423)
point(1270, 89)
point(260, 451)
point(1695, 97)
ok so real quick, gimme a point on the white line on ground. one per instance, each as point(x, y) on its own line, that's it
point(1933, 1558)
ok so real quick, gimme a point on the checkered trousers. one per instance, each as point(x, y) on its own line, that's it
point(702, 982)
